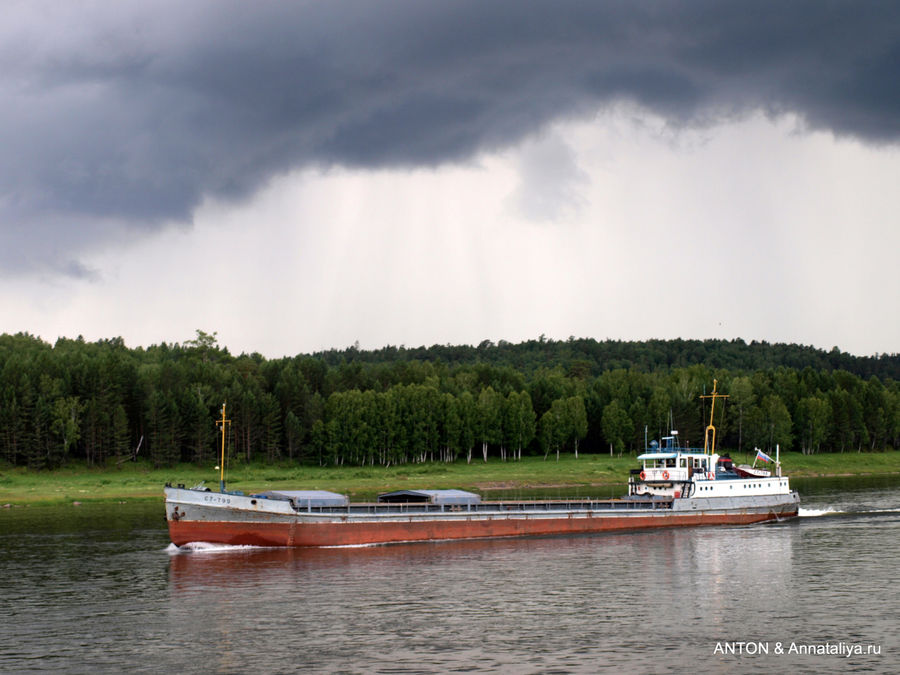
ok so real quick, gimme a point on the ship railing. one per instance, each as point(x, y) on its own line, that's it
point(504, 508)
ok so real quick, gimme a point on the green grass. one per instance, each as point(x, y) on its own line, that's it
point(141, 481)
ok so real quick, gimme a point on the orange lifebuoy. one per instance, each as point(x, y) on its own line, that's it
point(665, 475)
point(643, 476)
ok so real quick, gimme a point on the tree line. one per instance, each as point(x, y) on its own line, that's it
point(586, 356)
point(96, 401)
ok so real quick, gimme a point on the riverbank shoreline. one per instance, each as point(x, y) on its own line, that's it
point(136, 481)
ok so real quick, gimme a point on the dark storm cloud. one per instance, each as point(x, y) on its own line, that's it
point(129, 113)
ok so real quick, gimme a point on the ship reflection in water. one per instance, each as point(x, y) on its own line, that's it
point(530, 604)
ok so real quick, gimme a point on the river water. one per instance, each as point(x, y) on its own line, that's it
point(98, 588)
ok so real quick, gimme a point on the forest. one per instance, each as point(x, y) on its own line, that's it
point(96, 402)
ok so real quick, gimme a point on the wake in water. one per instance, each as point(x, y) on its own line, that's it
point(205, 547)
point(860, 510)
point(814, 513)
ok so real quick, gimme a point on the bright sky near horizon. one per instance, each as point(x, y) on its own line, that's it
point(308, 176)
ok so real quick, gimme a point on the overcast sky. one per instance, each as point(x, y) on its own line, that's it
point(301, 176)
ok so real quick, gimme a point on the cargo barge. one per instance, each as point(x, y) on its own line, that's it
point(674, 487)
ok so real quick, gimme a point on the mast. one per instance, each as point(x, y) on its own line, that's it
point(709, 445)
point(223, 423)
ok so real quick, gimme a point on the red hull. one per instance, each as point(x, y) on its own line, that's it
point(355, 534)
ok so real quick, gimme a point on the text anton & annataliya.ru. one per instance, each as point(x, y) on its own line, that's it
point(755, 648)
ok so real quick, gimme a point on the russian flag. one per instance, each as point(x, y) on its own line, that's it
point(763, 456)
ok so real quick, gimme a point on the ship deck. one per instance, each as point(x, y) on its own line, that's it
point(493, 507)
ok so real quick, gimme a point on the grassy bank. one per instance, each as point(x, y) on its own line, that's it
point(140, 481)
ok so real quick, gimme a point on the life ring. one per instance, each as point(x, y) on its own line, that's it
point(643, 476)
point(710, 475)
point(665, 475)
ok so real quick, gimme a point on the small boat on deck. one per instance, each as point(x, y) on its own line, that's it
point(747, 471)
point(673, 487)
